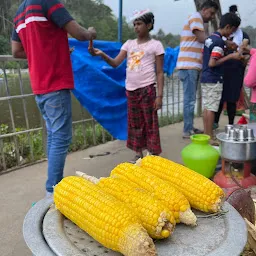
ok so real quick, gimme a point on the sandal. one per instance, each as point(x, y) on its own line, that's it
point(135, 159)
point(214, 142)
point(198, 131)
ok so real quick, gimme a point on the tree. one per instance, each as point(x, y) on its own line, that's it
point(87, 13)
point(167, 40)
point(4, 45)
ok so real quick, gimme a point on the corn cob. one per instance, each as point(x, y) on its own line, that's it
point(202, 193)
point(106, 219)
point(155, 217)
point(175, 201)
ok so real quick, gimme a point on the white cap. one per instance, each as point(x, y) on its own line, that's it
point(137, 14)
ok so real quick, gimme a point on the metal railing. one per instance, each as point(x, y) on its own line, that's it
point(15, 93)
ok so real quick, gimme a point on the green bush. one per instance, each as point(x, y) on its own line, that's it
point(5, 47)
point(83, 137)
point(27, 154)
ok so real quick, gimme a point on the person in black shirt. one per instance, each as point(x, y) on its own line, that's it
point(233, 77)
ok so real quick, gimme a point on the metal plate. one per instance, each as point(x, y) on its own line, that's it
point(32, 228)
point(222, 236)
point(84, 242)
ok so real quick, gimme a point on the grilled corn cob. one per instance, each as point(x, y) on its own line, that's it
point(106, 219)
point(155, 217)
point(175, 201)
point(202, 193)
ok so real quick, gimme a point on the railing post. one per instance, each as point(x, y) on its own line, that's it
point(120, 21)
point(173, 100)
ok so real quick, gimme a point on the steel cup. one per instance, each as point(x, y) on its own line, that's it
point(241, 135)
point(250, 135)
point(232, 135)
point(228, 128)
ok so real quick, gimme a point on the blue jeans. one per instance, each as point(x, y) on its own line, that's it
point(189, 79)
point(55, 108)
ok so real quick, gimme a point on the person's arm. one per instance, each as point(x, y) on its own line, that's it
point(217, 62)
point(78, 32)
point(160, 75)
point(18, 50)
point(250, 78)
point(217, 56)
point(197, 27)
point(17, 47)
point(200, 36)
point(245, 44)
point(159, 53)
point(56, 12)
point(160, 81)
point(114, 62)
point(231, 45)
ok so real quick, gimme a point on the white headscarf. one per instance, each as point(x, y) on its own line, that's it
point(137, 14)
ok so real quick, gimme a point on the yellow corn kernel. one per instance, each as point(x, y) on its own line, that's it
point(155, 217)
point(103, 217)
point(202, 193)
point(171, 197)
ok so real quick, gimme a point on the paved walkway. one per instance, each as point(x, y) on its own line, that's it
point(19, 189)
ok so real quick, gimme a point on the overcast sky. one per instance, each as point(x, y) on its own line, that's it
point(170, 15)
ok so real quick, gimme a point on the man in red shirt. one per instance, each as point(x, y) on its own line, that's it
point(40, 36)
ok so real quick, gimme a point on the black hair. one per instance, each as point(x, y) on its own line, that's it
point(147, 18)
point(233, 8)
point(230, 19)
point(210, 4)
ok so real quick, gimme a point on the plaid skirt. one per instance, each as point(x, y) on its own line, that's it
point(143, 129)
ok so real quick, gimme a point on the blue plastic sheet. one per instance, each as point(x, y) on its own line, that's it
point(170, 59)
point(101, 89)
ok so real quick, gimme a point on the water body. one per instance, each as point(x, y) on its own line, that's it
point(33, 114)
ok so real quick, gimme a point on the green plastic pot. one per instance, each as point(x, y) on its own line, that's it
point(200, 156)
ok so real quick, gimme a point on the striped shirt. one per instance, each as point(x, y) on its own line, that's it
point(190, 56)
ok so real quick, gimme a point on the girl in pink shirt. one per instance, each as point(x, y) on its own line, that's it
point(250, 81)
point(145, 58)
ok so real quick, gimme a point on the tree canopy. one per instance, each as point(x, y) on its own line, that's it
point(87, 13)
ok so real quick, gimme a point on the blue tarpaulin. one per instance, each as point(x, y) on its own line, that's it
point(101, 89)
point(170, 59)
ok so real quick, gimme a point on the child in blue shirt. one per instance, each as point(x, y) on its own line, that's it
point(212, 74)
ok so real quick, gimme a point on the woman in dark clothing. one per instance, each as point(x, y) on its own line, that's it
point(233, 79)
